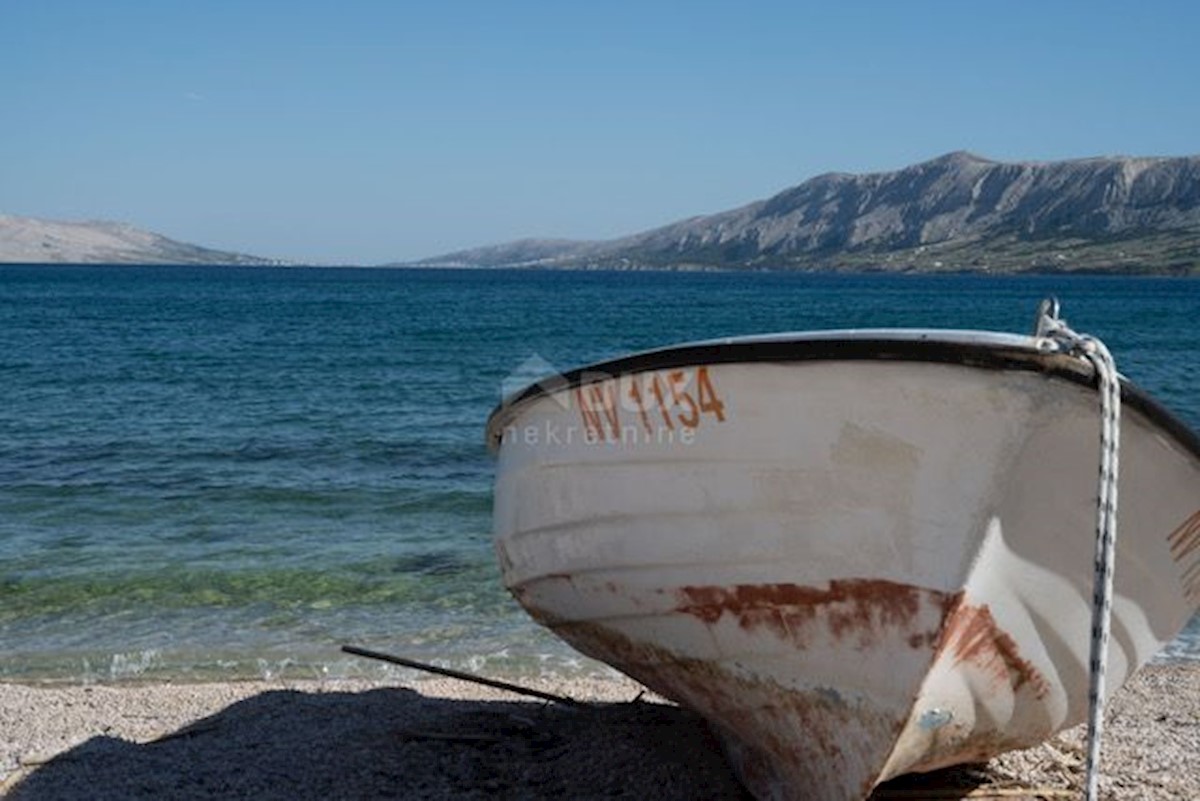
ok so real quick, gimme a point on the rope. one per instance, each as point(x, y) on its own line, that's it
point(1109, 384)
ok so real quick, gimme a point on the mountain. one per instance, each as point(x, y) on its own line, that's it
point(956, 212)
point(28, 240)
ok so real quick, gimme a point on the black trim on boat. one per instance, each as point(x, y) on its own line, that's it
point(996, 352)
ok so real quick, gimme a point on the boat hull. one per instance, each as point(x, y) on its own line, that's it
point(854, 568)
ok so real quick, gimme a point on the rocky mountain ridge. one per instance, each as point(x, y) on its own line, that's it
point(956, 212)
point(30, 240)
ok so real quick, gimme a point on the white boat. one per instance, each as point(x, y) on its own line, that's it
point(858, 554)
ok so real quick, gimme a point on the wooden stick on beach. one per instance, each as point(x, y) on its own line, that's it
point(455, 674)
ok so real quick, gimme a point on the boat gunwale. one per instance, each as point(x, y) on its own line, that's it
point(977, 349)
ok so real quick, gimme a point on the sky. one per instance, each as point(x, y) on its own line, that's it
point(363, 132)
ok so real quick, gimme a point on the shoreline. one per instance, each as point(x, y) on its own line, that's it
point(437, 738)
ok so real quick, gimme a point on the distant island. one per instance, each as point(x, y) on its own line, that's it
point(956, 213)
point(29, 240)
point(959, 212)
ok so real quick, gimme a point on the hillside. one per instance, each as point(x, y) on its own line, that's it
point(28, 240)
point(956, 212)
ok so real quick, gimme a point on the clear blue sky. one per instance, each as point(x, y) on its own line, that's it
point(365, 132)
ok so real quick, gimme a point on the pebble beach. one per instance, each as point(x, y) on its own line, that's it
point(444, 738)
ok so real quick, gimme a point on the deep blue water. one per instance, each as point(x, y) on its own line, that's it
point(225, 472)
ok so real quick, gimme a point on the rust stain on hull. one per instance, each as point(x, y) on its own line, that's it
point(1191, 583)
point(1185, 551)
point(972, 640)
point(1186, 538)
point(972, 635)
point(858, 609)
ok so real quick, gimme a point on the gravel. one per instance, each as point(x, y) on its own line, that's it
point(442, 739)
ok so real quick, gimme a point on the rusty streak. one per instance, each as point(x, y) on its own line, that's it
point(1183, 553)
point(1191, 572)
point(1186, 538)
point(863, 608)
point(973, 636)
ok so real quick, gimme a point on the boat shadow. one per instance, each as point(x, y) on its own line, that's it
point(397, 743)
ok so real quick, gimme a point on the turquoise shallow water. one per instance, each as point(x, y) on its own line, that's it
point(221, 472)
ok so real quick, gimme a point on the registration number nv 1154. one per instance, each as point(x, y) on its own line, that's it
point(649, 404)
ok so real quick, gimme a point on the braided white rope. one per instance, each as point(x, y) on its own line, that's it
point(1109, 385)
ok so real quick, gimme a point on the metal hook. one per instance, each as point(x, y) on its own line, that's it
point(1047, 320)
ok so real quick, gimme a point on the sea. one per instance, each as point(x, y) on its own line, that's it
point(227, 473)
